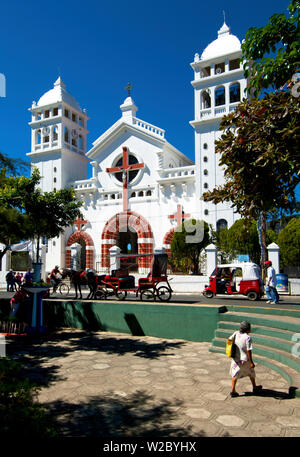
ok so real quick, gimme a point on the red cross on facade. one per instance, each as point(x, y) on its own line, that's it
point(125, 168)
point(79, 222)
point(179, 215)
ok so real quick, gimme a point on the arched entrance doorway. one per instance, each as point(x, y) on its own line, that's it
point(127, 228)
point(86, 255)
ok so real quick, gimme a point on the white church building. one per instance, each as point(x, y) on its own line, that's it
point(142, 187)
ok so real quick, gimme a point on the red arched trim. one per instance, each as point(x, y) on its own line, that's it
point(123, 221)
point(89, 253)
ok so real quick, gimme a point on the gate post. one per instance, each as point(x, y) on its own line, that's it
point(114, 254)
point(273, 255)
point(211, 259)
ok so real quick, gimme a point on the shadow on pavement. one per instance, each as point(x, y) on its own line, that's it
point(138, 415)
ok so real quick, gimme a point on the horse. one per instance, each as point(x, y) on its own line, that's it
point(76, 279)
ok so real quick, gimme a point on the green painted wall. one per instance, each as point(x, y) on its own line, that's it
point(193, 323)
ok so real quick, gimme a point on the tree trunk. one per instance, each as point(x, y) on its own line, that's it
point(261, 228)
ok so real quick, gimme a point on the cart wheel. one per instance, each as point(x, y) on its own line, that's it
point(64, 289)
point(252, 295)
point(100, 295)
point(208, 294)
point(147, 295)
point(121, 294)
point(163, 293)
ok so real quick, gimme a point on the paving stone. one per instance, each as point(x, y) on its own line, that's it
point(288, 421)
point(230, 420)
point(197, 413)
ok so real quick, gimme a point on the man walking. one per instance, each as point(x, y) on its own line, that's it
point(271, 283)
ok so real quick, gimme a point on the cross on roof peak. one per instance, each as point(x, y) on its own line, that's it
point(128, 88)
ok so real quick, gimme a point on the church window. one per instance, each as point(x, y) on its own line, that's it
point(66, 135)
point(47, 113)
point(54, 180)
point(205, 172)
point(234, 64)
point(205, 72)
point(220, 96)
point(206, 212)
point(66, 113)
point(74, 142)
point(205, 100)
point(205, 146)
point(234, 93)
point(39, 116)
point(80, 121)
point(221, 224)
point(46, 139)
point(132, 174)
point(39, 137)
point(55, 111)
point(73, 117)
point(112, 196)
point(205, 159)
point(205, 185)
point(132, 194)
point(54, 189)
point(219, 68)
point(141, 193)
point(55, 133)
point(80, 142)
point(105, 197)
point(148, 193)
point(55, 169)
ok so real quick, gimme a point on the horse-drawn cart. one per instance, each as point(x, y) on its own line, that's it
point(119, 283)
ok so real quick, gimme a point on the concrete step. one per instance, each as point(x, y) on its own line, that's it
point(291, 323)
point(257, 330)
point(273, 340)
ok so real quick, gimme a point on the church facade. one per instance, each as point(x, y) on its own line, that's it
point(142, 187)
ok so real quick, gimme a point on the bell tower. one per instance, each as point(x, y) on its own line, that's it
point(58, 138)
point(219, 85)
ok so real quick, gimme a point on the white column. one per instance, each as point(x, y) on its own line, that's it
point(114, 253)
point(273, 255)
point(211, 259)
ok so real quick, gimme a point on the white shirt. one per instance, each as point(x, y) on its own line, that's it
point(271, 277)
point(243, 342)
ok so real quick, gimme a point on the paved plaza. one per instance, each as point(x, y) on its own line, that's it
point(110, 384)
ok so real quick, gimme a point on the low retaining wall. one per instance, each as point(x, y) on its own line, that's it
point(187, 283)
point(188, 322)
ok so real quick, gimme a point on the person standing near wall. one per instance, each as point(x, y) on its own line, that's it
point(271, 283)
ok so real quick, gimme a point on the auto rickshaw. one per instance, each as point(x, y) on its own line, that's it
point(236, 278)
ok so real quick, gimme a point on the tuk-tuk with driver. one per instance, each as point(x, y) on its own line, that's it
point(236, 278)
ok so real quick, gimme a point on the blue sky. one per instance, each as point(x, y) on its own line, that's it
point(97, 47)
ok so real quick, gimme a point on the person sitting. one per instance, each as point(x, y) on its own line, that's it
point(223, 281)
point(55, 278)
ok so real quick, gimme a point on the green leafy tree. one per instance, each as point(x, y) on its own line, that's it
point(241, 238)
point(272, 53)
point(32, 214)
point(259, 148)
point(188, 242)
point(289, 243)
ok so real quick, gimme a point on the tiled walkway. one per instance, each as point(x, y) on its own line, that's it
point(100, 384)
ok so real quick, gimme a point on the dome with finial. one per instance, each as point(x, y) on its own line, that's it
point(226, 43)
point(59, 94)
